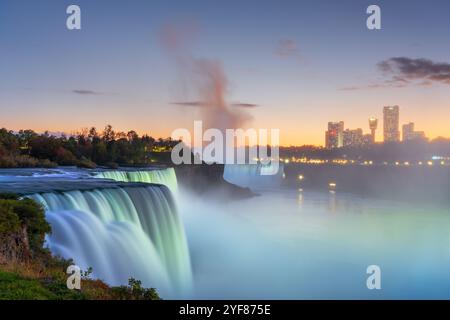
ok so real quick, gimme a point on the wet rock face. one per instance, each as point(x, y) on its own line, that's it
point(14, 247)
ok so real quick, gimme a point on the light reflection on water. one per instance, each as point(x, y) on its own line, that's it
point(291, 244)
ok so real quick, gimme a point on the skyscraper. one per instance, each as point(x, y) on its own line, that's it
point(353, 137)
point(373, 125)
point(334, 136)
point(409, 134)
point(391, 115)
point(407, 131)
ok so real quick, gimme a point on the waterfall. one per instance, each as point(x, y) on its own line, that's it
point(253, 176)
point(166, 177)
point(121, 233)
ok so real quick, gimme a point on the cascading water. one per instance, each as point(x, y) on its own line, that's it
point(166, 177)
point(121, 233)
point(253, 176)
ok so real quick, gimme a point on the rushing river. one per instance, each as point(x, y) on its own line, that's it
point(282, 244)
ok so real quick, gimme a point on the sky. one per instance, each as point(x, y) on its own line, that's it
point(288, 65)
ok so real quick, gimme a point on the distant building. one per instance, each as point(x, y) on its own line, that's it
point(409, 134)
point(353, 137)
point(407, 131)
point(373, 125)
point(391, 123)
point(334, 136)
point(368, 139)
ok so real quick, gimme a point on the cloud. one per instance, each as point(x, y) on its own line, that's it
point(245, 105)
point(86, 92)
point(203, 104)
point(287, 48)
point(189, 103)
point(354, 88)
point(406, 70)
point(401, 72)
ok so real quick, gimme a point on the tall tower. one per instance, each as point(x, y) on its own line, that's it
point(373, 125)
point(391, 123)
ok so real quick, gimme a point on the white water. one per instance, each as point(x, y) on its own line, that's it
point(254, 176)
point(121, 233)
point(161, 176)
point(283, 244)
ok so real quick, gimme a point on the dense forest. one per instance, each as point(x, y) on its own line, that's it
point(88, 149)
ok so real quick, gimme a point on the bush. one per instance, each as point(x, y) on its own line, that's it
point(86, 163)
point(135, 291)
point(65, 158)
point(24, 161)
point(7, 161)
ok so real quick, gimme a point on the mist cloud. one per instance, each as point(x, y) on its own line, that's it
point(208, 78)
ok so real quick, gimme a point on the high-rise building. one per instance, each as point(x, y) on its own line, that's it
point(334, 136)
point(373, 125)
point(410, 135)
point(353, 137)
point(407, 131)
point(391, 123)
point(368, 139)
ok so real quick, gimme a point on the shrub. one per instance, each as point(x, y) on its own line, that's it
point(86, 163)
point(24, 161)
point(45, 163)
point(135, 291)
point(7, 161)
point(65, 158)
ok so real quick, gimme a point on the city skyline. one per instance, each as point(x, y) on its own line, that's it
point(337, 136)
point(291, 66)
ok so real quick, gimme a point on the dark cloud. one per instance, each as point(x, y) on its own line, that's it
point(354, 88)
point(245, 105)
point(403, 70)
point(202, 104)
point(189, 103)
point(86, 92)
point(400, 72)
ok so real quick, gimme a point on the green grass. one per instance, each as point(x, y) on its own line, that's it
point(13, 287)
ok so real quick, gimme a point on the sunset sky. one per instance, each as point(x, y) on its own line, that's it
point(292, 65)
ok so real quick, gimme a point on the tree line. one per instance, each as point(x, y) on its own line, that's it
point(87, 148)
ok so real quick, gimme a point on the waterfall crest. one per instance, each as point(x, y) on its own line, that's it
point(121, 233)
point(166, 177)
point(253, 176)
